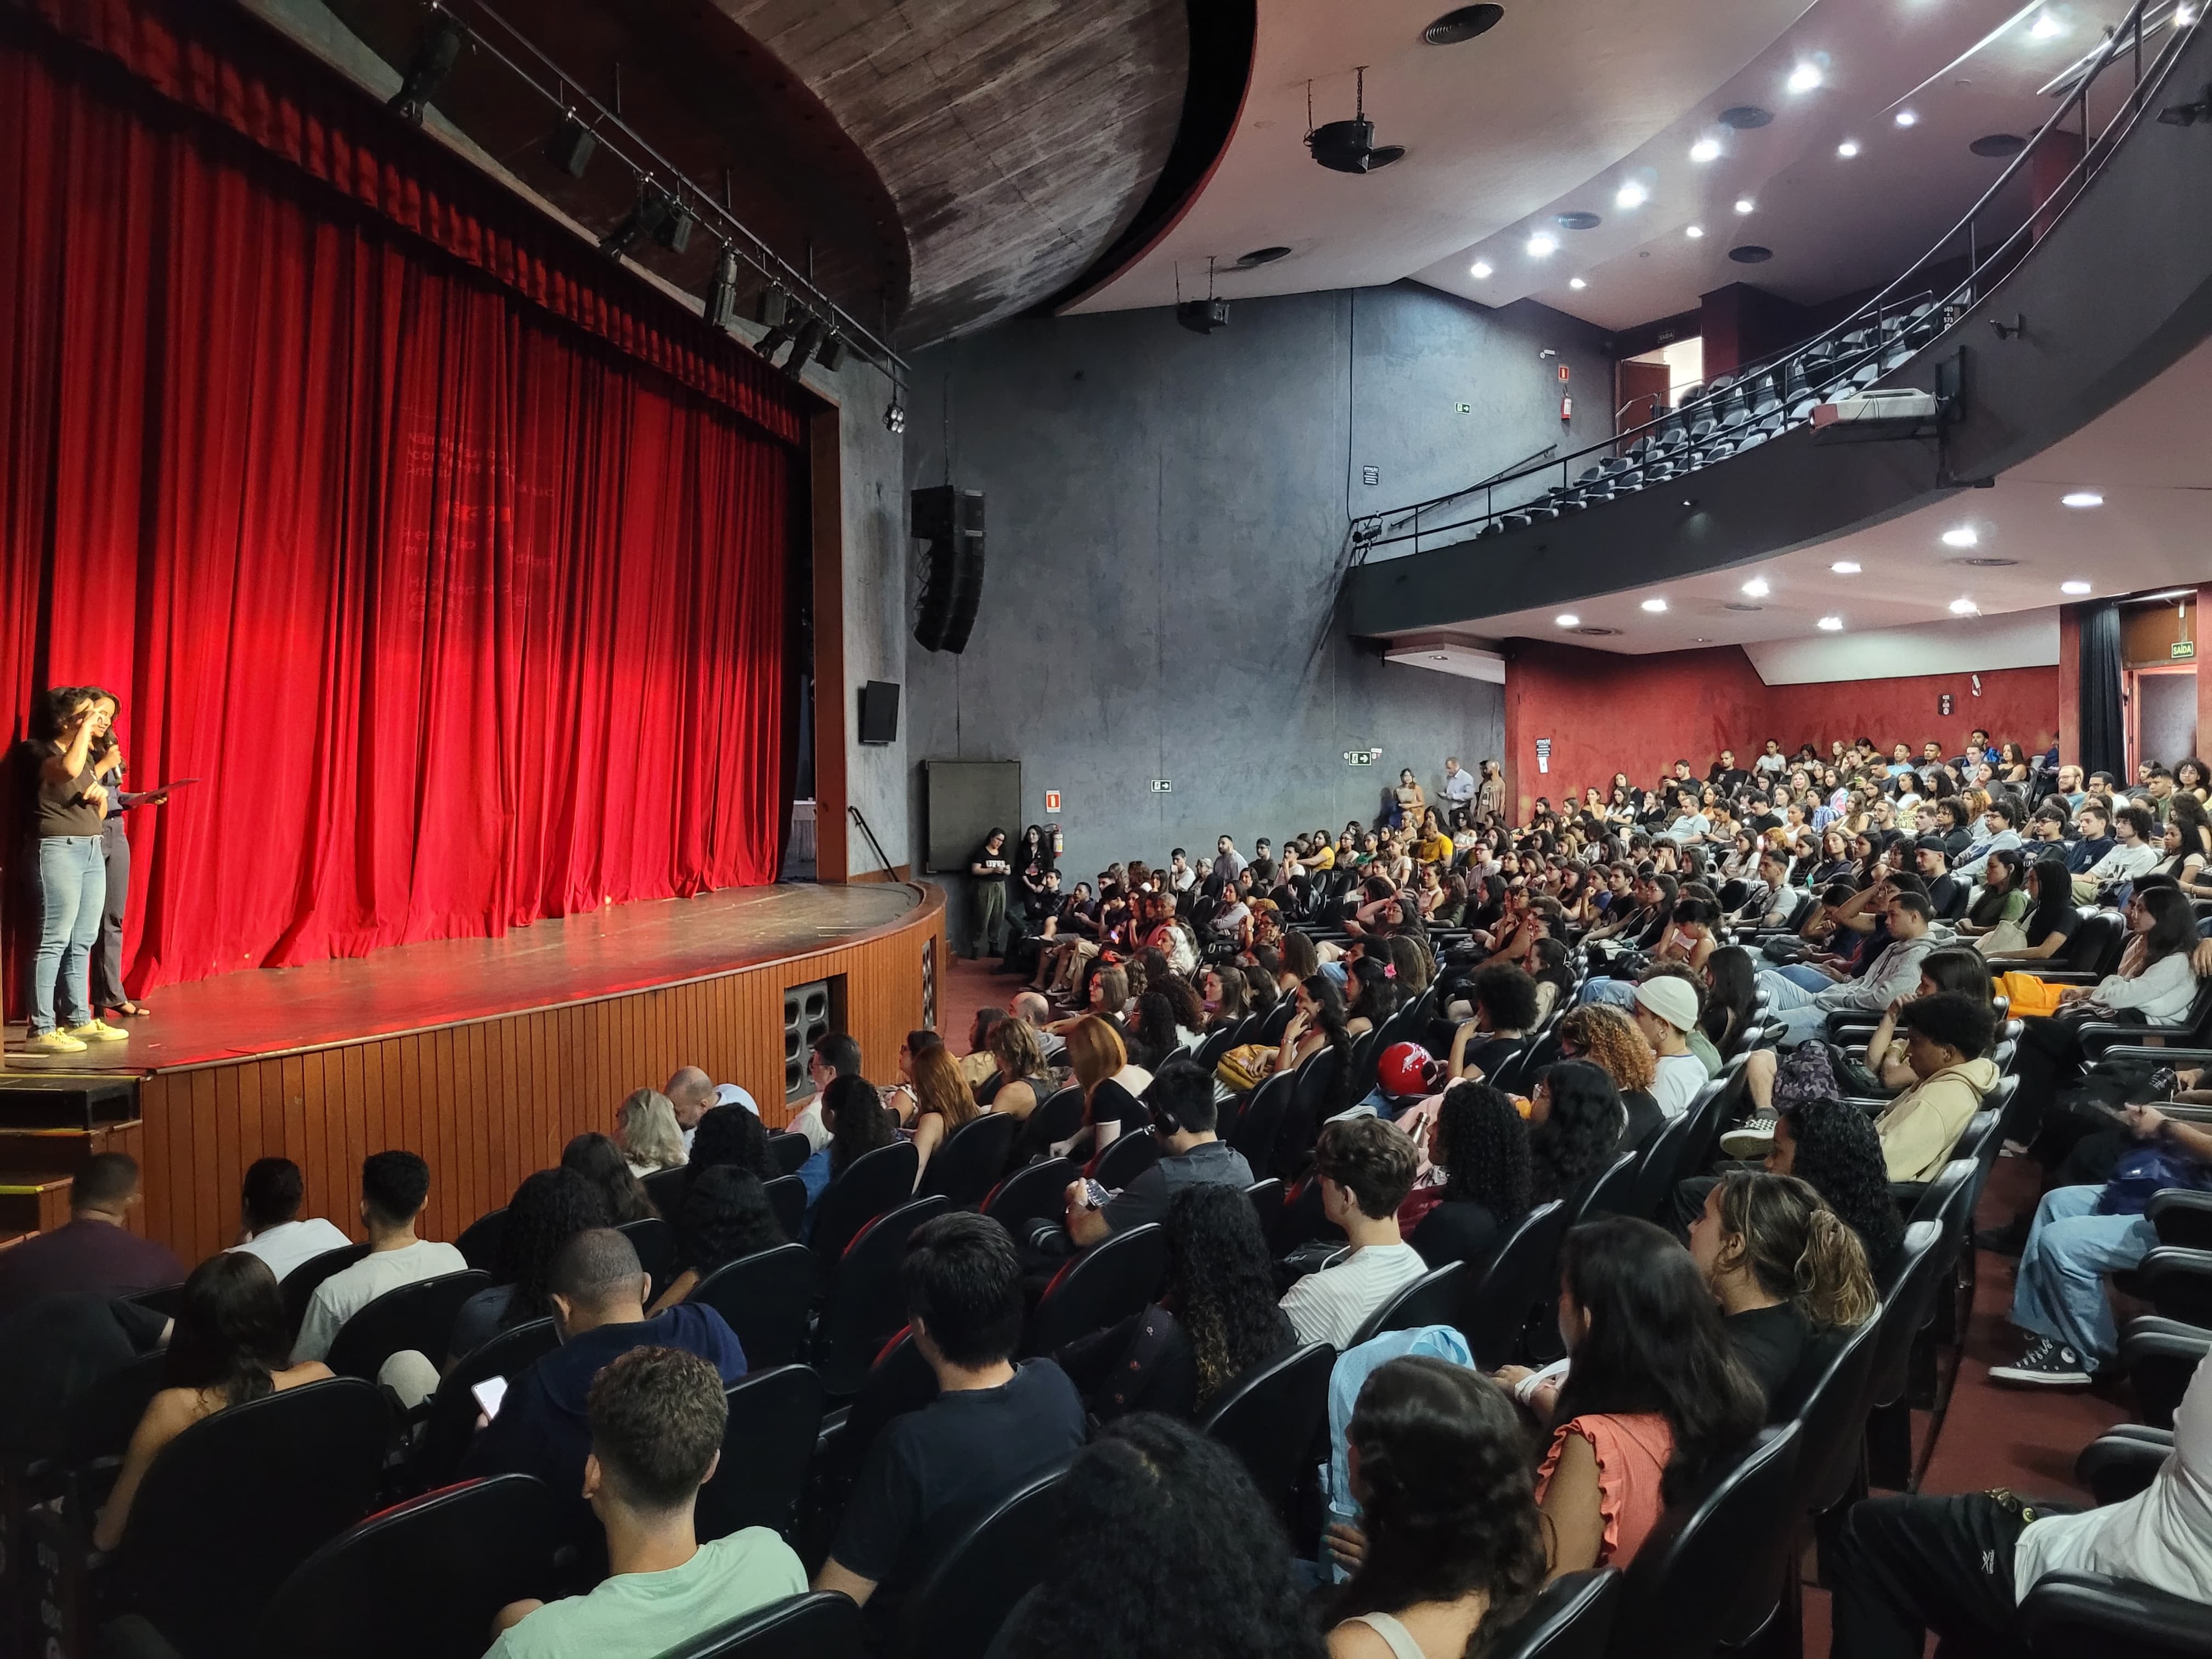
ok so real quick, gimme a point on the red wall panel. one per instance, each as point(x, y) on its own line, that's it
point(2014, 705)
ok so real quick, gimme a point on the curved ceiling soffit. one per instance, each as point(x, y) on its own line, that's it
point(1017, 138)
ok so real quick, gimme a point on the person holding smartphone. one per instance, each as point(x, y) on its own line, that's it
point(71, 806)
point(107, 993)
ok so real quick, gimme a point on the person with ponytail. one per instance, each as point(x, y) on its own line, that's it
point(1783, 1265)
point(1450, 1544)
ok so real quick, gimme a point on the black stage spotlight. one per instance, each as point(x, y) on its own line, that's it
point(651, 212)
point(831, 352)
point(571, 147)
point(1202, 316)
point(675, 228)
point(777, 338)
point(437, 49)
point(722, 290)
point(810, 336)
point(773, 307)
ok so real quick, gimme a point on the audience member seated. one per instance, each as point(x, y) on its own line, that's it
point(1832, 1146)
point(1960, 1567)
point(1162, 1548)
point(690, 1093)
point(1666, 1013)
point(725, 1217)
point(1783, 1265)
point(1216, 1318)
point(1479, 1162)
point(1610, 1041)
point(94, 1252)
point(1654, 1396)
point(1504, 1013)
point(833, 1056)
point(1450, 1544)
point(226, 1348)
point(994, 1427)
point(547, 1209)
point(942, 1100)
point(55, 1349)
point(859, 1122)
point(1577, 1126)
point(1366, 1167)
point(1887, 1061)
point(1804, 1012)
point(2136, 852)
point(542, 1426)
point(394, 1187)
point(730, 1137)
point(1181, 1102)
point(646, 1129)
point(596, 1158)
point(1111, 1084)
point(655, 1419)
point(269, 1212)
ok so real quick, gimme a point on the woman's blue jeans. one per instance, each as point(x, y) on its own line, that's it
point(72, 891)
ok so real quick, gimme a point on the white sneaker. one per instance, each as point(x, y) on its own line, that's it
point(98, 1030)
point(53, 1043)
point(1752, 1139)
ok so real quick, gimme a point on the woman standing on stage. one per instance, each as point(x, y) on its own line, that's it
point(107, 993)
point(69, 802)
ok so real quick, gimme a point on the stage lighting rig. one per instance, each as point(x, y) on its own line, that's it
point(437, 49)
point(721, 308)
point(647, 217)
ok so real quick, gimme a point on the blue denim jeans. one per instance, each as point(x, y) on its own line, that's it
point(2060, 1292)
point(72, 891)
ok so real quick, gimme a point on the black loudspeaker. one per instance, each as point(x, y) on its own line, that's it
point(879, 701)
point(951, 522)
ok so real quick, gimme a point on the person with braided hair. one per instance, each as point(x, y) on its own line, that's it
point(1448, 1543)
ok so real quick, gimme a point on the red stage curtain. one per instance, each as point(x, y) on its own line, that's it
point(464, 617)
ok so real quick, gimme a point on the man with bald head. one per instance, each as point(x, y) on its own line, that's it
point(690, 1091)
point(1034, 1011)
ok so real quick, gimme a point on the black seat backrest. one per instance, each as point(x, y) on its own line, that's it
point(2087, 1615)
point(786, 1196)
point(1277, 1021)
point(1267, 1198)
point(479, 1241)
point(1909, 1302)
point(1654, 1174)
point(900, 1381)
point(1302, 1219)
point(1129, 1157)
point(867, 1305)
point(1262, 1121)
point(1833, 1415)
point(765, 1298)
point(419, 1316)
point(1571, 1617)
point(1522, 1274)
point(2178, 1282)
point(1312, 1087)
point(665, 1188)
point(99, 1421)
point(1434, 1298)
point(966, 1164)
point(1938, 1196)
point(438, 1450)
point(1112, 1280)
point(1610, 1192)
point(822, 1624)
point(654, 1241)
point(790, 1149)
point(1030, 1194)
point(1269, 1417)
point(1055, 1118)
point(238, 1500)
point(967, 1595)
point(875, 1183)
point(301, 1285)
point(768, 1447)
point(2096, 944)
point(422, 1578)
point(1690, 1583)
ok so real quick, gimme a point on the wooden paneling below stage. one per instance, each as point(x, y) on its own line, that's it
point(489, 1100)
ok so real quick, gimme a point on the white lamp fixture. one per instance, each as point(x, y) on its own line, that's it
point(1631, 195)
point(1693, 232)
point(1655, 606)
point(2048, 26)
point(1757, 587)
point(1804, 78)
point(2074, 587)
point(1962, 535)
point(1844, 568)
point(2080, 498)
point(1905, 117)
point(1577, 282)
point(1744, 205)
point(1543, 245)
point(1832, 624)
point(1964, 608)
point(1847, 149)
point(1567, 619)
point(1705, 149)
point(1479, 269)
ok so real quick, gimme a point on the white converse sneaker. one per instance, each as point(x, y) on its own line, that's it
point(98, 1030)
point(2047, 1363)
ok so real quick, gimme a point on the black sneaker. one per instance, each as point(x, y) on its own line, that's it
point(2009, 1240)
point(1753, 1138)
point(2047, 1363)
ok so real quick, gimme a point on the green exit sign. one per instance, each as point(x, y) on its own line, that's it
point(2184, 649)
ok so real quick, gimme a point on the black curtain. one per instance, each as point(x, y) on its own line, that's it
point(2103, 723)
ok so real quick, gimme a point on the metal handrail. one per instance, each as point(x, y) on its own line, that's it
point(2094, 153)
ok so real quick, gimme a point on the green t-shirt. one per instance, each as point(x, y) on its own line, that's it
point(649, 1613)
point(1708, 1056)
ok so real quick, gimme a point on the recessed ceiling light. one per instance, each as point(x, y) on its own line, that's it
point(1568, 619)
point(1577, 282)
point(1578, 219)
point(1631, 195)
point(1744, 205)
point(1844, 568)
point(1479, 269)
point(2080, 498)
point(1964, 607)
point(1751, 253)
point(1705, 149)
point(1693, 232)
point(1832, 624)
point(1847, 149)
point(1655, 606)
point(1464, 23)
point(2048, 26)
point(1804, 77)
point(1963, 535)
point(1439, 657)
point(1757, 587)
point(1905, 117)
point(2074, 587)
point(1543, 245)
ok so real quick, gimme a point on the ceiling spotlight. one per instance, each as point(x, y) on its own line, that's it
point(1832, 624)
point(1905, 117)
point(1577, 282)
point(1567, 619)
point(2048, 26)
point(774, 305)
point(2080, 498)
point(894, 415)
point(830, 353)
point(777, 338)
point(1757, 587)
point(1479, 269)
point(1631, 195)
point(571, 146)
point(650, 216)
point(812, 333)
point(1693, 232)
point(2074, 587)
point(1655, 606)
point(1804, 77)
point(1964, 608)
point(1844, 568)
point(1705, 149)
point(1964, 535)
point(1543, 245)
point(674, 230)
point(437, 49)
point(1744, 205)
point(722, 290)
point(1847, 149)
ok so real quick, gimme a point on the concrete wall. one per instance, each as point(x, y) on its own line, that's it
point(872, 468)
point(1167, 516)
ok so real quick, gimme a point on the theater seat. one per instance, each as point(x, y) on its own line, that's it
point(866, 1306)
point(1269, 1417)
point(419, 1316)
point(768, 1447)
point(2092, 1615)
point(820, 1625)
point(1112, 1280)
point(444, 1440)
point(1522, 1275)
point(1571, 1617)
point(765, 1297)
point(967, 1596)
point(1434, 1298)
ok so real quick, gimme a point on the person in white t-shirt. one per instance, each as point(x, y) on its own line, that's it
point(1366, 1166)
point(1666, 1009)
point(1962, 1565)
point(394, 1187)
point(269, 1208)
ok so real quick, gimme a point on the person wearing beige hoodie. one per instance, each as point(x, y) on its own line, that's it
point(1947, 1038)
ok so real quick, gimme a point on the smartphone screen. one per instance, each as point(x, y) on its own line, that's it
point(489, 1393)
point(1094, 1194)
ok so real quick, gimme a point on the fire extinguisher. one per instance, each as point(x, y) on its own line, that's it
point(1566, 405)
point(1059, 842)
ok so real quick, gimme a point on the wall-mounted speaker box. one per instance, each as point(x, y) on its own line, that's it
point(951, 521)
point(879, 701)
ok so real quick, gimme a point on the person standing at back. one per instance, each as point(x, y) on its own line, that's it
point(269, 1213)
point(96, 1251)
point(394, 1187)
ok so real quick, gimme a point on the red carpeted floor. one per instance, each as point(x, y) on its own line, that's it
point(2024, 1439)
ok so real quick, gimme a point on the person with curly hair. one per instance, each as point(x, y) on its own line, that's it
point(1574, 1124)
point(1152, 1035)
point(547, 1209)
point(1448, 1543)
point(1505, 1000)
point(724, 1216)
point(1163, 1549)
point(1481, 1143)
point(1833, 1148)
point(731, 1136)
point(1608, 1039)
point(599, 1161)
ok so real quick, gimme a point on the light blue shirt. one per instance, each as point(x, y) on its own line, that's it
point(1350, 1375)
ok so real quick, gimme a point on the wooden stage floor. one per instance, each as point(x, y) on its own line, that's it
point(261, 1013)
